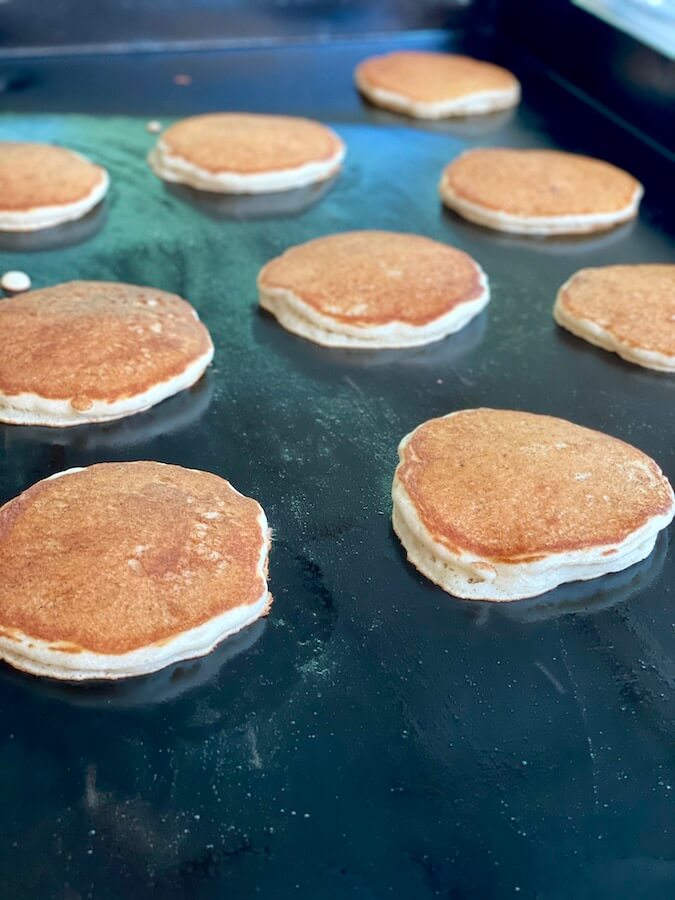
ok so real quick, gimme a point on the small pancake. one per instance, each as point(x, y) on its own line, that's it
point(373, 289)
point(539, 191)
point(42, 186)
point(92, 351)
point(436, 85)
point(245, 153)
point(498, 505)
point(629, 310)
point(124, 568)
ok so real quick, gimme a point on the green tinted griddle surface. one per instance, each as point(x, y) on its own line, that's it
point(374, 738)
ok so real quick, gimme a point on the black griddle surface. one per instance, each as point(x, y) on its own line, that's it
point(374, 738)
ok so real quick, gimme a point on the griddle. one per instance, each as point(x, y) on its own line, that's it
point(374, 738)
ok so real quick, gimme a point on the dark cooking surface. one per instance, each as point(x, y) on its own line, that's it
point(374, 738)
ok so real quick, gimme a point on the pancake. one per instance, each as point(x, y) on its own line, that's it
point(93, 351)
point(629, 310)
point(498, 505)
point(540, 192)
point(245, 153)
point(373, 289)
point(436, 85)
point(124, 568)
point(42, 186)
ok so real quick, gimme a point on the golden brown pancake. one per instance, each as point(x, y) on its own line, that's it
point(539, 191)
point(42, 185)
point(93, 351)
point(627, 309)
point(432, 85)
point(123, 568)
point(373, 289)
point(241, 152)
point(498, 504)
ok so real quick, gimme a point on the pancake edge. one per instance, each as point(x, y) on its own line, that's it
point(595, 334)
point(475, 103)
point(39, 217)
point(38, 657)
point(472, 577)
point(32, 409)
point(545, 226)
point(300, 318)
point(178, 170)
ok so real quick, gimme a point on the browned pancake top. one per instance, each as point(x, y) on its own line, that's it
point(123, 555)
point(513, 487)
point(432, 77)
point(539, 182)
point(34, 175)
point(96, 340)
point(634, 303)
point(248, 143)
point(368, 278)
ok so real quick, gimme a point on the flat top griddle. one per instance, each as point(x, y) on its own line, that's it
point(374, 738)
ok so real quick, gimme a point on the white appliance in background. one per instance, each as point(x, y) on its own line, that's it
point(650, 21)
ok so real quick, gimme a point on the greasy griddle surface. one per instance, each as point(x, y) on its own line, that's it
point(374, 738)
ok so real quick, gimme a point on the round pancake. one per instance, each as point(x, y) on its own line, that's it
point(92, 351)
point(42, 186)
point(244, 153)
point(435, 85)
point(629, 310)
point(541, 192)
point(124, 568)
point(373, 289)
point(497, 504)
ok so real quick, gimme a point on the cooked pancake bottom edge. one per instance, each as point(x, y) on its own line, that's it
point(477, 102)
point(176, 169)
point(582, 223)
point(32, 409)
point(39, 217)
point(594, 334)
point(470, 576)
point(300, 318)
point(40, 658)
point(625, 309)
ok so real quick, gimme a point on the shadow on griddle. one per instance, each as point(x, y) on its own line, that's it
point(59, 236)
point(252, 206)
point(15, 80)
point(316, 361)
point(581, 597)
point(222, 688)
point(560, 245)
point(181, 411)
point(638, 374)
point(145, 690)
point(464, 127)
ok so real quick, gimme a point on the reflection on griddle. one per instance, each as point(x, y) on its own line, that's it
point(253, 206)
point(435, 356)
point(160, 687)
point(173, 414)
point(556, 245)
point(58, 236)
point(638, 374)
point(584, 597)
